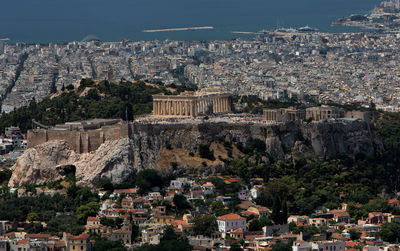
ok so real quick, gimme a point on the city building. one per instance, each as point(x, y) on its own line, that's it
point(229, 222)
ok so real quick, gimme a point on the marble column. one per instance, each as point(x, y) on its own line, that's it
point(165, 103)
point(225, 105)
point(175, 108)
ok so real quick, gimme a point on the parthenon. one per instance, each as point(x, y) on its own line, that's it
point(191, 104)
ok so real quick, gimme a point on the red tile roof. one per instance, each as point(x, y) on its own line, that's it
point(351, 244)
point(80, 237)
point(230, 216)
point(178, 222)
point(37, 236)
point(90, 218)
point(128, 190)
point(237, 231)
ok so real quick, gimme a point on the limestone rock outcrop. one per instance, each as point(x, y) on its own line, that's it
point(43, 163)
point(157, 145)
point(325, 139)
point(112, 160)
point(53, 160)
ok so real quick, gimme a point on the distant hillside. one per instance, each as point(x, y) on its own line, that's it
point(89, 100)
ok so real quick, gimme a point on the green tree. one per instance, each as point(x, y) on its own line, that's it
point(102, 244)
point(147, 179)
point(35, 228)
point(354, 235)
point(218, 208)
point(64, 223)
point(258, 224)
point(204, 225)
point(180, 202)
point(89, 209)
point(276, 210)
point(32, 216)
point(255, 225)
point(390, 232)
point(281, 247)
point(204, 152)
point(235, 246)
point(105, 184)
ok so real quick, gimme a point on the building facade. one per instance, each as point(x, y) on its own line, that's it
point(229, 222)
point(191, 104)
point(283, 114)
point(323, 112)
point(317, 113)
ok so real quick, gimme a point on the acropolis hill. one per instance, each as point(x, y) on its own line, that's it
point(116, 149)
point(156, 143)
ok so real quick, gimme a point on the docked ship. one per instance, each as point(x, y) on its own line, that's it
point(307, 29)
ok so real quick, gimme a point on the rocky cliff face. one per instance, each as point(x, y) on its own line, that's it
point(53, 160)
point(119, 160)
point(324, 139)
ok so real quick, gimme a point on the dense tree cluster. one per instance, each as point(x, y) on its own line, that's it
point(90, 100)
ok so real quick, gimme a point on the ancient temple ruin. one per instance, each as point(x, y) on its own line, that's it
point(317, 113)
point(191, 104)
point(323, 112)
point(284, 114)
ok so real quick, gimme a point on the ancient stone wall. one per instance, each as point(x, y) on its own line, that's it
point(81, 141)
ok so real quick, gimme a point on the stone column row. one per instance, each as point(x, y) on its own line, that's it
point(174, 108)
point(190, 107)
point(270, 115)
point(221, 104)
